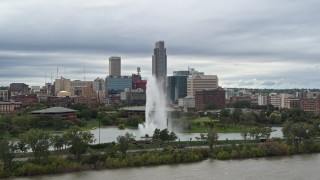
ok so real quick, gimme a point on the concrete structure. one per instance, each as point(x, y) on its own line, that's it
point(138, 83)
point(18, 89)
point(292, 103)
point(60, 101)
point(89, 101)
point(76, 87)
point(9, 107)
point(35, 89)
point(205, 97)
point(177, 85)
point(67, 114)
point(117, 84)
point(134, 96)
point(236, 99)
point(199, 82)
point(310, 104)
point(4, 95)
point(283, 98)
point(275, 100)
point(115, 66)
point(99, 86)
point(262, 100)
point(26, 98)
point(159, 63)
point(61, 84)
point(187, 102)
point(230, 93)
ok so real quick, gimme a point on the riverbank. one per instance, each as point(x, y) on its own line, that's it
point(169, 155)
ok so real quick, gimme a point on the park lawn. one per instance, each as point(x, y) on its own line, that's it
point(228, 128)
point(91, 124)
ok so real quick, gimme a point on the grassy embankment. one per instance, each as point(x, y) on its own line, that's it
point(198, 125)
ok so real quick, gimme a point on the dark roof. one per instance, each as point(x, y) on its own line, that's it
point(53, 110)
point(141, 108)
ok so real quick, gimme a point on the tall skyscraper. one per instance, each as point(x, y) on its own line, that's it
point(159, 63)
point(115, 66)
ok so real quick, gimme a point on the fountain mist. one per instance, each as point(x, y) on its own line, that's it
point(156, 109)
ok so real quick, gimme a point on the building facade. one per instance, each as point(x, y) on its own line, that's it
point(177, 85)
point(61, 84)
point(262, 100)
point(9, 107)
point(4, 95)
point(199, 82)
point(159, 63)
point(117, 84)
point(115, 66)
point(205, 97)
point(18, 89)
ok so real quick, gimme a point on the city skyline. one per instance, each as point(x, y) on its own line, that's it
point(265, 44)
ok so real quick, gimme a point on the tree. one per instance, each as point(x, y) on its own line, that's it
point(274, 118)
point(172, 136)
point(3, 129)
point(7, 153)
point(212, 138)
point(156, 134)
point(124, 142)
point(164, 134)
point(57, 142)
point(296, 132)
point(38, 141)
point(22, 146)
point(79, 141)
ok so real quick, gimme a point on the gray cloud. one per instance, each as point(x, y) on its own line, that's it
point(248, 43)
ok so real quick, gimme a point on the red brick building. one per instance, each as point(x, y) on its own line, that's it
point(216, 96)
point(25, 98)
point(89, 101)
point(137, 82)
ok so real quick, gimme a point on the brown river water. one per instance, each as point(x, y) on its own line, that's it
point(298, 167)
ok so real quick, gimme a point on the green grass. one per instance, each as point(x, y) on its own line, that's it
point(198, 126)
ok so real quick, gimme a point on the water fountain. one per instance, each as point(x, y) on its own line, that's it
point(156, 109)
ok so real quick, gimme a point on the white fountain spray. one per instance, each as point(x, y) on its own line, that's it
point(156, 109)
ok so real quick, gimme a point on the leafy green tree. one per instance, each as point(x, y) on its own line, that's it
point(156, 134)
point(124, 141)
point(212, 138)
point(3, 129)
point(164, 135)
point(296, 132)
point(134, 121)
point(172, 136)
point(274, 118)
point(7, 153)
point(210, 106)
point(225, 113)
point(237, 115)
point(38, 141)
point(22, 146)
point(79, 141)
point(57, 142)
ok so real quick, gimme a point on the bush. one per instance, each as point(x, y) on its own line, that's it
point(121, 127)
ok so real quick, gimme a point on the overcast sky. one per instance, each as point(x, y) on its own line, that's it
point(247, 43)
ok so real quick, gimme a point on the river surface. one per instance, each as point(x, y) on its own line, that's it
point(298, 167)
point(110, 134)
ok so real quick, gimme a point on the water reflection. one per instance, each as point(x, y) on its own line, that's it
point(111, 134)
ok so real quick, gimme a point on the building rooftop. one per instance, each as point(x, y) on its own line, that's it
point(141, 108)
point(53, 110)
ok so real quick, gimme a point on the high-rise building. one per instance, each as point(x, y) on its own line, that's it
point(61, 84)
point(117, 84)
point(115, 66)
point(177, 85)
point(159, 63)
point(199, 82)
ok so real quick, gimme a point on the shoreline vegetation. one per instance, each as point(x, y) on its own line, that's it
point(106, 156)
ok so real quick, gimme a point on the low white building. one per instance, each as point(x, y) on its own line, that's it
point(187, 102)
